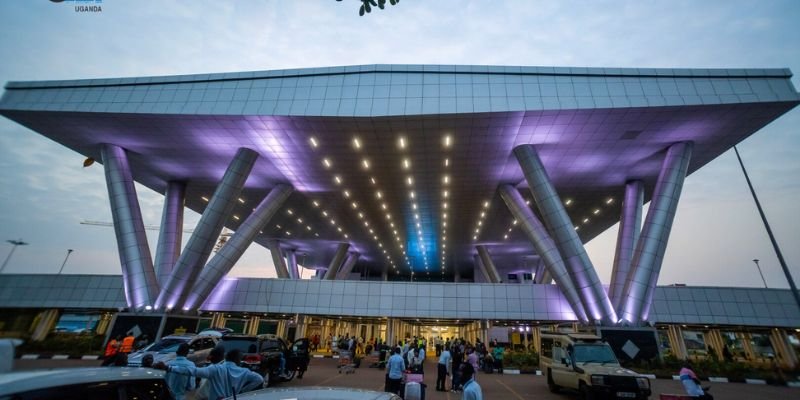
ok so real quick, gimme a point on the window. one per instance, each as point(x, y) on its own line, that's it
point(547, 347)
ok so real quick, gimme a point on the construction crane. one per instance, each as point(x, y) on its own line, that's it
point(223, 237)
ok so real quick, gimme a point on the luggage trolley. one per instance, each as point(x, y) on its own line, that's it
point(346, 364)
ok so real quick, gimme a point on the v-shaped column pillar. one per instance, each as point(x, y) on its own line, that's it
point(630, 223)
point(277, 259)
point(347, 267)
point(169, 237)
point(223, 261)
point(336, 262)
point(649, 253)
point(138, 275)
point(580, 268)
point(476, 259)
point(545, 247)
point(291, 264)
point(200, 245)
point(488, 264)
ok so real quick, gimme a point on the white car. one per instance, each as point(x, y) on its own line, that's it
point(164, 349)
point(317, 393)
point(85, 384)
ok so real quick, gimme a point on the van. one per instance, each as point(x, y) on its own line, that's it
point(586, 363)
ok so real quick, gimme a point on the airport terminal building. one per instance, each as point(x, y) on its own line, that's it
point(430, 199)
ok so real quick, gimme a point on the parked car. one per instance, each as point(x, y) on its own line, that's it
point(263, 353)
point(317, 393)
point(248, 345)
point(85, 383)
point(164, 349)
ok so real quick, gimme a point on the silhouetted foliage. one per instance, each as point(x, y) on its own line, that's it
point(366, 5)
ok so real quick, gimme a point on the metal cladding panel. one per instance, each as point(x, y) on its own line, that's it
point(594, 128)
point(681, 305)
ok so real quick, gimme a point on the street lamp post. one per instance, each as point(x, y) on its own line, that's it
point(69, 251)
point(14, 244)
point(759, 272)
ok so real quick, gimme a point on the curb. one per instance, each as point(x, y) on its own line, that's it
point(57, 357)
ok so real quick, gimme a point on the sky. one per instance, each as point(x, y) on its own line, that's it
point(45, 192)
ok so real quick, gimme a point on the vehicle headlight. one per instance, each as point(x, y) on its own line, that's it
point(598, 380)
point(643, 383)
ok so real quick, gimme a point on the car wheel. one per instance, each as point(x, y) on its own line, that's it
point(550, 385)
point(586, 392)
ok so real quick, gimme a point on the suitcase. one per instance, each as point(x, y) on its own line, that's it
point(414, 391)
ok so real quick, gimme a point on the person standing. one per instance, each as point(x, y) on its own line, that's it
point(441, 370)
point(112, 348)
point(179, 385)
point(394, 371)
point(458, 358)
point(472, 359)
point(472, 391)
point(127, 344)
point(224, 380)
point(498, 353)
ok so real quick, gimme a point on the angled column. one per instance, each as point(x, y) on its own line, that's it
point(456, 275)
point(347, 267)
point(223, 261)
point(291, 264)
point(580, 268)
point(336, 262)
point(202, 242)
point(277, 259)
point(649, 253)
point(545, 247)
point(479, 266)
point(488, 264)
point(538, 276)
point(139, 277)
point(385, 275)
point(630, 223)
point(171, 232)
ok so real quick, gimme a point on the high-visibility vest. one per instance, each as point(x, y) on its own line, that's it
point(127, 344)
point(111, 347)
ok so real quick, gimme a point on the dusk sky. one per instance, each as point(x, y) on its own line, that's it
point(717, 233)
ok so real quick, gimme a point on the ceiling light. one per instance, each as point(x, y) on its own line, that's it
point(596, 211)
point(236, 217)
point(483, 214)
point(316, 204)
point(383, 206)
point(402, 142)
point(241, 200)
point(416, 216)
point(446, 162)
point(372, 180)
point(346, 193)
point(337, 179)
point(505, 236)
point(568, 202)
point(300, 220)
point(445, 194)
point(411, 194)
point(325, 213)
point(333, 221)
point(406, 164)
point(514, 223)
point(313, 141)
point(447, 141)
point(414, 206)
point(528, 202)
point(308, 228)
point(355, 205)
point(356, 143)
point(474, 238)
point(378, 194)
point(204, 198)
point(446, 179)
point(289, 211)
point(444, 205)
point(365, 162)
point(288, 233)
point(410, 181)
point(339, 228)
point(485, 204)
point(326, 162)
point(585, 220)
point(610, 200)
point(345, 236)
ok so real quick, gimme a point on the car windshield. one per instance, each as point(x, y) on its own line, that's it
point(244, 345)
point(167, 345)
point(594, 353)
point(270, 344)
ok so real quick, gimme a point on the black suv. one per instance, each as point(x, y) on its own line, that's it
point(262, 354)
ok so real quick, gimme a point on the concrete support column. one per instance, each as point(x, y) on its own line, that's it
point(282, 328)
point(291, 264)
point(170, 235)
point(783, 350)
point(646, 263)
point(629, 226)
point(581, 271)
point(251, 327)
point(536, 337)
point(545, 247)
point(104, 323)
point(302, 326)
point(347, 267)
point(747, 346)
point(275, 251)
point(138, 275)
point(488, 265)
point(218, 320)
point(223, 261)
point(197, 250)
point(336, 262)
point(675, 335)
point(43, 324)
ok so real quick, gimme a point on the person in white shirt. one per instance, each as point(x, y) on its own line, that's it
point(441, 370)
point(224, 379)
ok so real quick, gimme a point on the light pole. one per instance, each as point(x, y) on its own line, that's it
point(755, 260)
point(14, 243)
point(69, 251)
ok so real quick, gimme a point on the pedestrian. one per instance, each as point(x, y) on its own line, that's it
point(178, 384)
point(458, 359)
point(691, 383)
point(441, 370)
point(120, 360)
point(498, 353)
point(472, 391)
point(472, 359)
point(224, 380)
point(726, 353)
point(216, 356)
point(394, 371)
point(127, 344)
point(112, 348)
